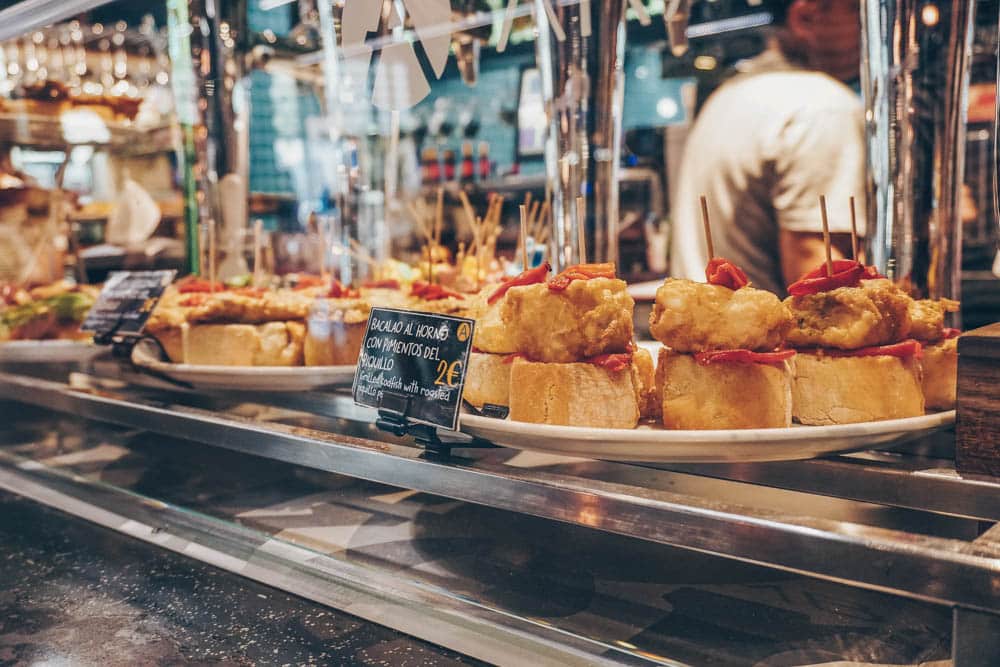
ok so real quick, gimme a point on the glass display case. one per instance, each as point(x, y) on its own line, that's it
point(302, 164)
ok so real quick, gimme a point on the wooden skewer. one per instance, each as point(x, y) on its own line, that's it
point(581, 228)
point(533, 217)
point(361, 253)
point(524, 237)
point(439, 216)
point(479, 253)
point(708, 228)
point(258, 231)
point(211, 255)
point(854, 231)
point(321, 245)
point(826, 236)
point(543, 219)
point(585, 27)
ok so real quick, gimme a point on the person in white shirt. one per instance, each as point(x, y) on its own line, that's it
point(768, 143)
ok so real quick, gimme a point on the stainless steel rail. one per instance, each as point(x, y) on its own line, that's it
point(900, 480)
point(897, 479)
point(944, 571)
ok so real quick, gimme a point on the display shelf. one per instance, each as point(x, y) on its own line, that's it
point(627, 500)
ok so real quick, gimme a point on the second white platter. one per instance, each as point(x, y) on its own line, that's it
point(48, 351)
point(244, 378)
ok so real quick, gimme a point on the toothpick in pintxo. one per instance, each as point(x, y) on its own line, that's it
point(524, 237)
point(826, 235)
point(854, 232)
point(258, 231)
point(708, 227)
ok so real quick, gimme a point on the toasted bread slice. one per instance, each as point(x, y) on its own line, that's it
point(336, 329)
point(574, 394)
point(723, 395)
point(940, 364)
point(848, 390)
point(270, 344)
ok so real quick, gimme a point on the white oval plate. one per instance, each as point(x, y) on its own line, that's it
point(245, 378)
point(658, 445)
point(48, 351)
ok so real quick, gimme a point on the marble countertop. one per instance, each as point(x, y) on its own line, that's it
point(76, 594)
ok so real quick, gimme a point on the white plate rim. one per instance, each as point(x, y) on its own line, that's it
point(663, 436)
point(24, 350)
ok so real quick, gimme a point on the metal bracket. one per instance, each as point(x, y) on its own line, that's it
point(393, 417)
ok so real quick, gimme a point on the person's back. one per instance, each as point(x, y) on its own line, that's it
point(767, 144)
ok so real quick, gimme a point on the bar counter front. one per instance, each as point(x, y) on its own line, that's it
point(461, 332)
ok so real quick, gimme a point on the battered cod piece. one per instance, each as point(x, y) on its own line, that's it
point(723, 395)
point(586, 319)
point(491, 335)
point(847, 318)
point(696, 317)
point(927, 318)
point(269, 344)
point(940, 365)
point(848, 390)
point(572, 394)
point(335, 330)
point(246, 306)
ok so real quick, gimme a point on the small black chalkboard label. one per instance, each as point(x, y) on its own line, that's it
point(418, 359)
point(126, 301)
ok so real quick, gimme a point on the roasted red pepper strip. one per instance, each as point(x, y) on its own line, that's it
point(871, 273)
point(529, 277)
point(339, 291)
point(432, 291)
point(726, 274)
point(381, 284)
point(304, 281)
point(581, 272)
point(194, 284)
point(249, 291)
point(743, 357)
point(846, 273)
point(904, 350)
point(615, 363)
point(194, 300)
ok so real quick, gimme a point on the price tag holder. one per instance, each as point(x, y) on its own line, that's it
point(412, 369)
point(125, 303)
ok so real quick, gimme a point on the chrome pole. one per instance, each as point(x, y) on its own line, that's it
point(915, 77)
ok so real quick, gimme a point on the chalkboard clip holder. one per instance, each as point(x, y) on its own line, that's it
point(393, 417)
point(121, 342)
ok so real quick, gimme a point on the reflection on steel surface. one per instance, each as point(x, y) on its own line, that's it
point(915, 77)
point(946, 571)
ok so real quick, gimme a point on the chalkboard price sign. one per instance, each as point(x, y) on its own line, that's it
point(414, 363)
point(125, 303)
